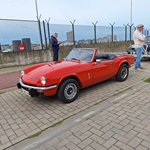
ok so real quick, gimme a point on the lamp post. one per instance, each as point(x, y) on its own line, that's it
point(39, 25)
point(37, 15)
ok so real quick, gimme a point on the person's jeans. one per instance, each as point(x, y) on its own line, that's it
point(138, 57)
point(55, 55)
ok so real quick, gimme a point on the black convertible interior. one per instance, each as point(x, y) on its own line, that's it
point(104, 57)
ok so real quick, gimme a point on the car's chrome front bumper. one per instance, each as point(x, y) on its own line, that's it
point(36, 87)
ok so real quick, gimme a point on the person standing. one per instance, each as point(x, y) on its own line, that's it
point(138, 38)
point(55, 46)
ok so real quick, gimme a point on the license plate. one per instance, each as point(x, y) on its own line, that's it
point(25, 92)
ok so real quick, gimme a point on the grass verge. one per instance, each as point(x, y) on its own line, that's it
point(147, 80)
point(1, 92)
point(54, 125)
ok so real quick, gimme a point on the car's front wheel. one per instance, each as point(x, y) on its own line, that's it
point(68, 90)
point(122, 73)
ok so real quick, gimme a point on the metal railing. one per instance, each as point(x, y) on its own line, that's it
point(70, 34)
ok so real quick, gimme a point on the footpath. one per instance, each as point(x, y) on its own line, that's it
point(109, 116)
point(9, 76)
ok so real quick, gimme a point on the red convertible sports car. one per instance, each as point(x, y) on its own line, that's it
point(82, 67)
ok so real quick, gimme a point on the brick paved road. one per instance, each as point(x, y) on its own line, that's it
point(123, 126)
point(22, 116)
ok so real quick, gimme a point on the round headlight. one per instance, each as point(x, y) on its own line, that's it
point(22, 73)
point(43, 80)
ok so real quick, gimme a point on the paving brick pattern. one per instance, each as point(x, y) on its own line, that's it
point(126, 125)
point(123, 126)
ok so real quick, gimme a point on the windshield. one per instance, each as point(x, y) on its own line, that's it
point(147, 39)
point(80, 55)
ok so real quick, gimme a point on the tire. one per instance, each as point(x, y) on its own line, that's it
point(122, 73)
point(68, 90)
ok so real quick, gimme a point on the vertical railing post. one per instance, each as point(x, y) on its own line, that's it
point(48, 31)
point(73, 31)
point(145, 32)
point(130, 26)
point(0, 47)
point(40, 33)
point(148, 33)
point(112, 32)
point(125, 32)
point(45, 34)
point(95, 31)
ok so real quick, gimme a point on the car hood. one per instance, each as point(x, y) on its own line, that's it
point(48, 70)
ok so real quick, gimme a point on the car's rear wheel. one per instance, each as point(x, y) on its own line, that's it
point(122, 73)
point(68, 90)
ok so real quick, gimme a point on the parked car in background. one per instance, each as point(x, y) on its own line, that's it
point(6, 48)
point(146, 48)
point(82, 67)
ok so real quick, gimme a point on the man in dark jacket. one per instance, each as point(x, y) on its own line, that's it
point(55, 46)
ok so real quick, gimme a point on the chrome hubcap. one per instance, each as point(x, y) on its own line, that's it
point(124, 72)
point(70, 91)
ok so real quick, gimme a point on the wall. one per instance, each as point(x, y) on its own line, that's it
point(9, 59)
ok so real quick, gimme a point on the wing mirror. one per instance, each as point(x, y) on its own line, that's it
point(98, 60)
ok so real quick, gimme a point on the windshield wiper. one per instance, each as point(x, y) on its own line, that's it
point(75, 59)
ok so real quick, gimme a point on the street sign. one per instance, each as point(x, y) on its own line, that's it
point(21, 47)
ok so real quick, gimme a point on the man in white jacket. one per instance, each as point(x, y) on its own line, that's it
point(138, 38)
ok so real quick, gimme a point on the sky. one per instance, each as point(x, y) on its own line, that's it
point(83, 12)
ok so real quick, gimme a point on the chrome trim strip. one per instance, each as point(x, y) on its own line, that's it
point(35, 87)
